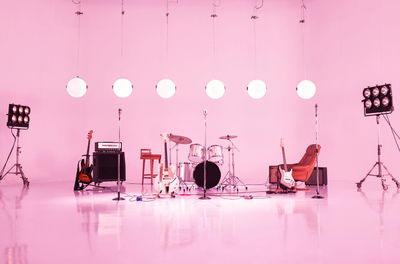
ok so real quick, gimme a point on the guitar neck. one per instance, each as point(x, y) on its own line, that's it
point(165, 155)
point(284, 159)
point(87, 154)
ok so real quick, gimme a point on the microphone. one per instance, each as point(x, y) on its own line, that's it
point(119, 113)
point(205, 112)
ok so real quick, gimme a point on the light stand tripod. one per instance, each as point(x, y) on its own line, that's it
point(17, 165)
point(118, 198)
point(317, 196)
point(230, 179)
point(380, 164)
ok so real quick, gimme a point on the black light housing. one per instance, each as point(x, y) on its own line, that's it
point(18, 116)
point(378, 100)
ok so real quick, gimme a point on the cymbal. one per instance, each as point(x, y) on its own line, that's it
point(179, 139)
point(228, 137)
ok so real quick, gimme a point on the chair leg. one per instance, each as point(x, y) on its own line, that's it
point(143, 171)
point(151, 171)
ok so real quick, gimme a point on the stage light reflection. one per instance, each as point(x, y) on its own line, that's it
point(377, 102)
point(375, 91)
point(368, 104)
point(367, 93)
point(385, 101)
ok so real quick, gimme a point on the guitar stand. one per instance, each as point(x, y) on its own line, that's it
point(17, 165)
point(380, 164)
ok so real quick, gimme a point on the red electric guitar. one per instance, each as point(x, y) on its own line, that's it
point(84, 173)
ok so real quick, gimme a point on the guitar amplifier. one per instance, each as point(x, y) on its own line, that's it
point(105, 166)
point(107, 146)
point(323, 177)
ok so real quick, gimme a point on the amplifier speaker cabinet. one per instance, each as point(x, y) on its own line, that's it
point(106, 166)
point(323, 176)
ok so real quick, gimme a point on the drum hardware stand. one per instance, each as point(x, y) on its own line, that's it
point(17, 165)
point(182, 183)
point(205, 197)
point(119, 198)
point(317, 196)
point(230, 179)
point(380, 164)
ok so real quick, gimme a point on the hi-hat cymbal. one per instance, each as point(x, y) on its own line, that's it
point(228, 137)
point(179, 139)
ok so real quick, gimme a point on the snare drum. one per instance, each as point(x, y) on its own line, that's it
point(215, 154)
point(186, 171)
point(196, 153)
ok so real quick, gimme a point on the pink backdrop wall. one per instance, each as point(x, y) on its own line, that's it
point(349, 45)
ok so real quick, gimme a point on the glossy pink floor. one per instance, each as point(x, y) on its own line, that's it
point(49, 223)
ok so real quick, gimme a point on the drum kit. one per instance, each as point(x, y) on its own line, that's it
point(193, 171)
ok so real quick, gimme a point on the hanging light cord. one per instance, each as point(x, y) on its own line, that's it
point(215, 4)
point(122, 28)
point(78, 13)
point(254, 17)
point(302, 21)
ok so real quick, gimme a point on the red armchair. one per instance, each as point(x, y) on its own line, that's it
point(303, 169)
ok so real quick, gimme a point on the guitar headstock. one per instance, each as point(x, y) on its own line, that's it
point(90, 134)
point(282, 143)
point(165, 136)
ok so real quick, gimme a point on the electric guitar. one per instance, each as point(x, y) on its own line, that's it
point(168, 182)
point(286, 176)
point(84, 173)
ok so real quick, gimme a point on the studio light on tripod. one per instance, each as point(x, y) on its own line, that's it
point(18, 116)
point(378, 100)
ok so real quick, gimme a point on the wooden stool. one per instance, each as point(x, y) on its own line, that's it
point(145, 154)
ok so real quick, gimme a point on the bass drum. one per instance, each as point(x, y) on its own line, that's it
point(213, 174)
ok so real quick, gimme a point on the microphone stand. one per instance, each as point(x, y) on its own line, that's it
point(317, 196)
point(118, 198)
point(205, 197)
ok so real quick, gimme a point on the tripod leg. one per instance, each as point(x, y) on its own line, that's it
point(24, 179)
point(363, 179)
point(393, 178)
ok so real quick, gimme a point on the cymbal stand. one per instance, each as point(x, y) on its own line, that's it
point(17, 165)
point(230, 179)
point(380, 164)
point(182, 184)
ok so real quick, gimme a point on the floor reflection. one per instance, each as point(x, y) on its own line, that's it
point(15, 251)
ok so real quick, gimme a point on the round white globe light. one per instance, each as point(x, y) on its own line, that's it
point(257, 89)
point(306, 89)
point(215, 89)
point(122, 87)
point(76, 87)
point(166, 88)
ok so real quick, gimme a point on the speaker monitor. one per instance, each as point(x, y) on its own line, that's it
point(106, 166)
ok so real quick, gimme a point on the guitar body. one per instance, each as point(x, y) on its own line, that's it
point(85, 174)
point(84, 170)
point(286, 179)
point(167, 182)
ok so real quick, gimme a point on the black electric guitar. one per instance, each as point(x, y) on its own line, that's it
point(286, 176)
point(84, 172)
